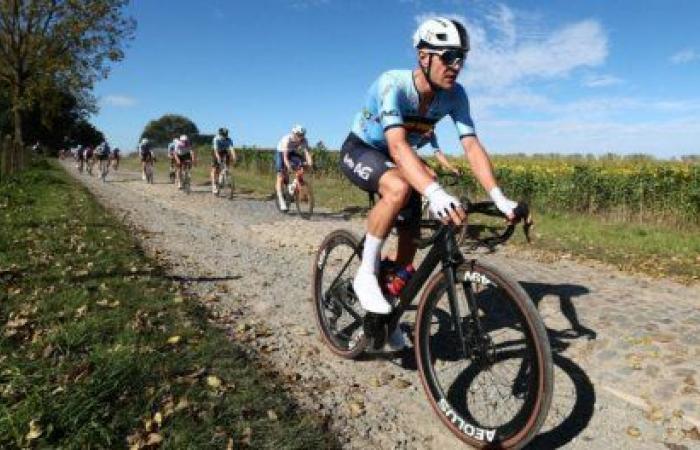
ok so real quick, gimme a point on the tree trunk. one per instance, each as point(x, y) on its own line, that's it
point(17, 145)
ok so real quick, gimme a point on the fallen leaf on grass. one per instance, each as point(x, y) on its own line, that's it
point(271, 414)
point(154, 439)
point(80, 312)
point(34, 430)
point(108, 304)
point(173, 340)
point(214, 381)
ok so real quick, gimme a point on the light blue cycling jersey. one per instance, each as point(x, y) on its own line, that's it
point(221, 144)
point(392, 101)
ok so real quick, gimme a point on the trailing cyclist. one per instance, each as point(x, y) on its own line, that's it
point(102, 153)
point(222, 150)
point(184, 156)
point(146, 155)
point(171, 157)
point(400, 113)
point(288, 158)
point(115, 158)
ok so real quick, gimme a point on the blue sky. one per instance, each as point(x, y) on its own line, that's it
point(542, 76)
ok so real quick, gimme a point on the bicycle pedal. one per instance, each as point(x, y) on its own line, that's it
point(374, 327)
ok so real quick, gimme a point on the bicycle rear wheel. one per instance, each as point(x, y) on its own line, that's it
point(491, 388)
point(304, 199)
point(338, 312)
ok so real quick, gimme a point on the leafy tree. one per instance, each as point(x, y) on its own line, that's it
point(161, 131)
point(49, 46)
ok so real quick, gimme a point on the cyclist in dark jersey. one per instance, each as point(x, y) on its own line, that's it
point(399, 115)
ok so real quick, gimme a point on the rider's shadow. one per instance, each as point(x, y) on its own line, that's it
point(566, 294)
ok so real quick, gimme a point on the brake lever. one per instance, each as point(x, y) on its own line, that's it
point(522, 212)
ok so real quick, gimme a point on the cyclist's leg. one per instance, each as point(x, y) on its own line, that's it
point(178, 170)
point(214, 172)
point(373, 171)
point(280, 169)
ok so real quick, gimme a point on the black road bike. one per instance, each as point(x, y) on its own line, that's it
point(481, 347)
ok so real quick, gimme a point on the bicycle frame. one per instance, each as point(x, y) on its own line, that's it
point(444, 251)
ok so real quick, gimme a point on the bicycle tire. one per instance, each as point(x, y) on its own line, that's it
point(304, 199)
point(455, 404)
point(338, 251)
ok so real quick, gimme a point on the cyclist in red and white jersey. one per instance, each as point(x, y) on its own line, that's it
point(184, 154)
point(287, 158)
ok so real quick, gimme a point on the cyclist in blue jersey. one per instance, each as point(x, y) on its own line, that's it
point(400, 114)
point(222, 150)
point(146, 155)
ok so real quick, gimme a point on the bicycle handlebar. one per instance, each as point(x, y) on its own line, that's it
point(488, 208)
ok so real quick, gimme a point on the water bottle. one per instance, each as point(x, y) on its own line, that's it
point(397, 283)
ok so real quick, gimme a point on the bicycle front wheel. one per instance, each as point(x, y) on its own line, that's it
point(484, 359)
point(338, 312)
point(304, 199)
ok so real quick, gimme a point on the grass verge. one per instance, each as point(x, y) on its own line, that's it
point(98, 349)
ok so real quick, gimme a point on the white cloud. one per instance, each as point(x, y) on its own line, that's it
point(684, 56)
point(601, 81)
point(120, 101)
point(505, 52)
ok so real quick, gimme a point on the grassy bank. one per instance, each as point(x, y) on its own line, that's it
point(98, 349)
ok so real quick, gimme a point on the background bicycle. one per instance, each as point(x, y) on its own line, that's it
point(299, 191)
point(225, 180)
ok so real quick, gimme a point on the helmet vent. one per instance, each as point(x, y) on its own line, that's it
point(441, 36)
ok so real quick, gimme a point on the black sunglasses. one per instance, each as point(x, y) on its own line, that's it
point(450, 57)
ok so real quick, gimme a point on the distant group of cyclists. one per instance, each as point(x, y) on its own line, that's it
point(87, 156)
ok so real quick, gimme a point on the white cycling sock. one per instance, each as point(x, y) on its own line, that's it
point(365, 284)
point(371, 253)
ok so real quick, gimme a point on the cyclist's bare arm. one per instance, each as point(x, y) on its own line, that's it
point(480, 163)
point(309, 157)
point(444, 162)
point(285, 156)
point(412, 168)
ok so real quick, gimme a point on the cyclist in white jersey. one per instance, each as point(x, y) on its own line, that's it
point(221, 150)
point(400, 113)
point(184, 154)
point(288, 158)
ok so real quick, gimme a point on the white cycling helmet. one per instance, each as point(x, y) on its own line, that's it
point(298, 129)
point(441, 33)
point(144, 141)
point(183, 138)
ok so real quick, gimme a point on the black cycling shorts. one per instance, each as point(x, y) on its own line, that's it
point(223, 155)
point(364, 165)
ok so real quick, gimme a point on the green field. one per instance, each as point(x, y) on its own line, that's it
point(658, 243)
point(101, 349)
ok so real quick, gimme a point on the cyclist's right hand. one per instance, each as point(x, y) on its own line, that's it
point(444, 206)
